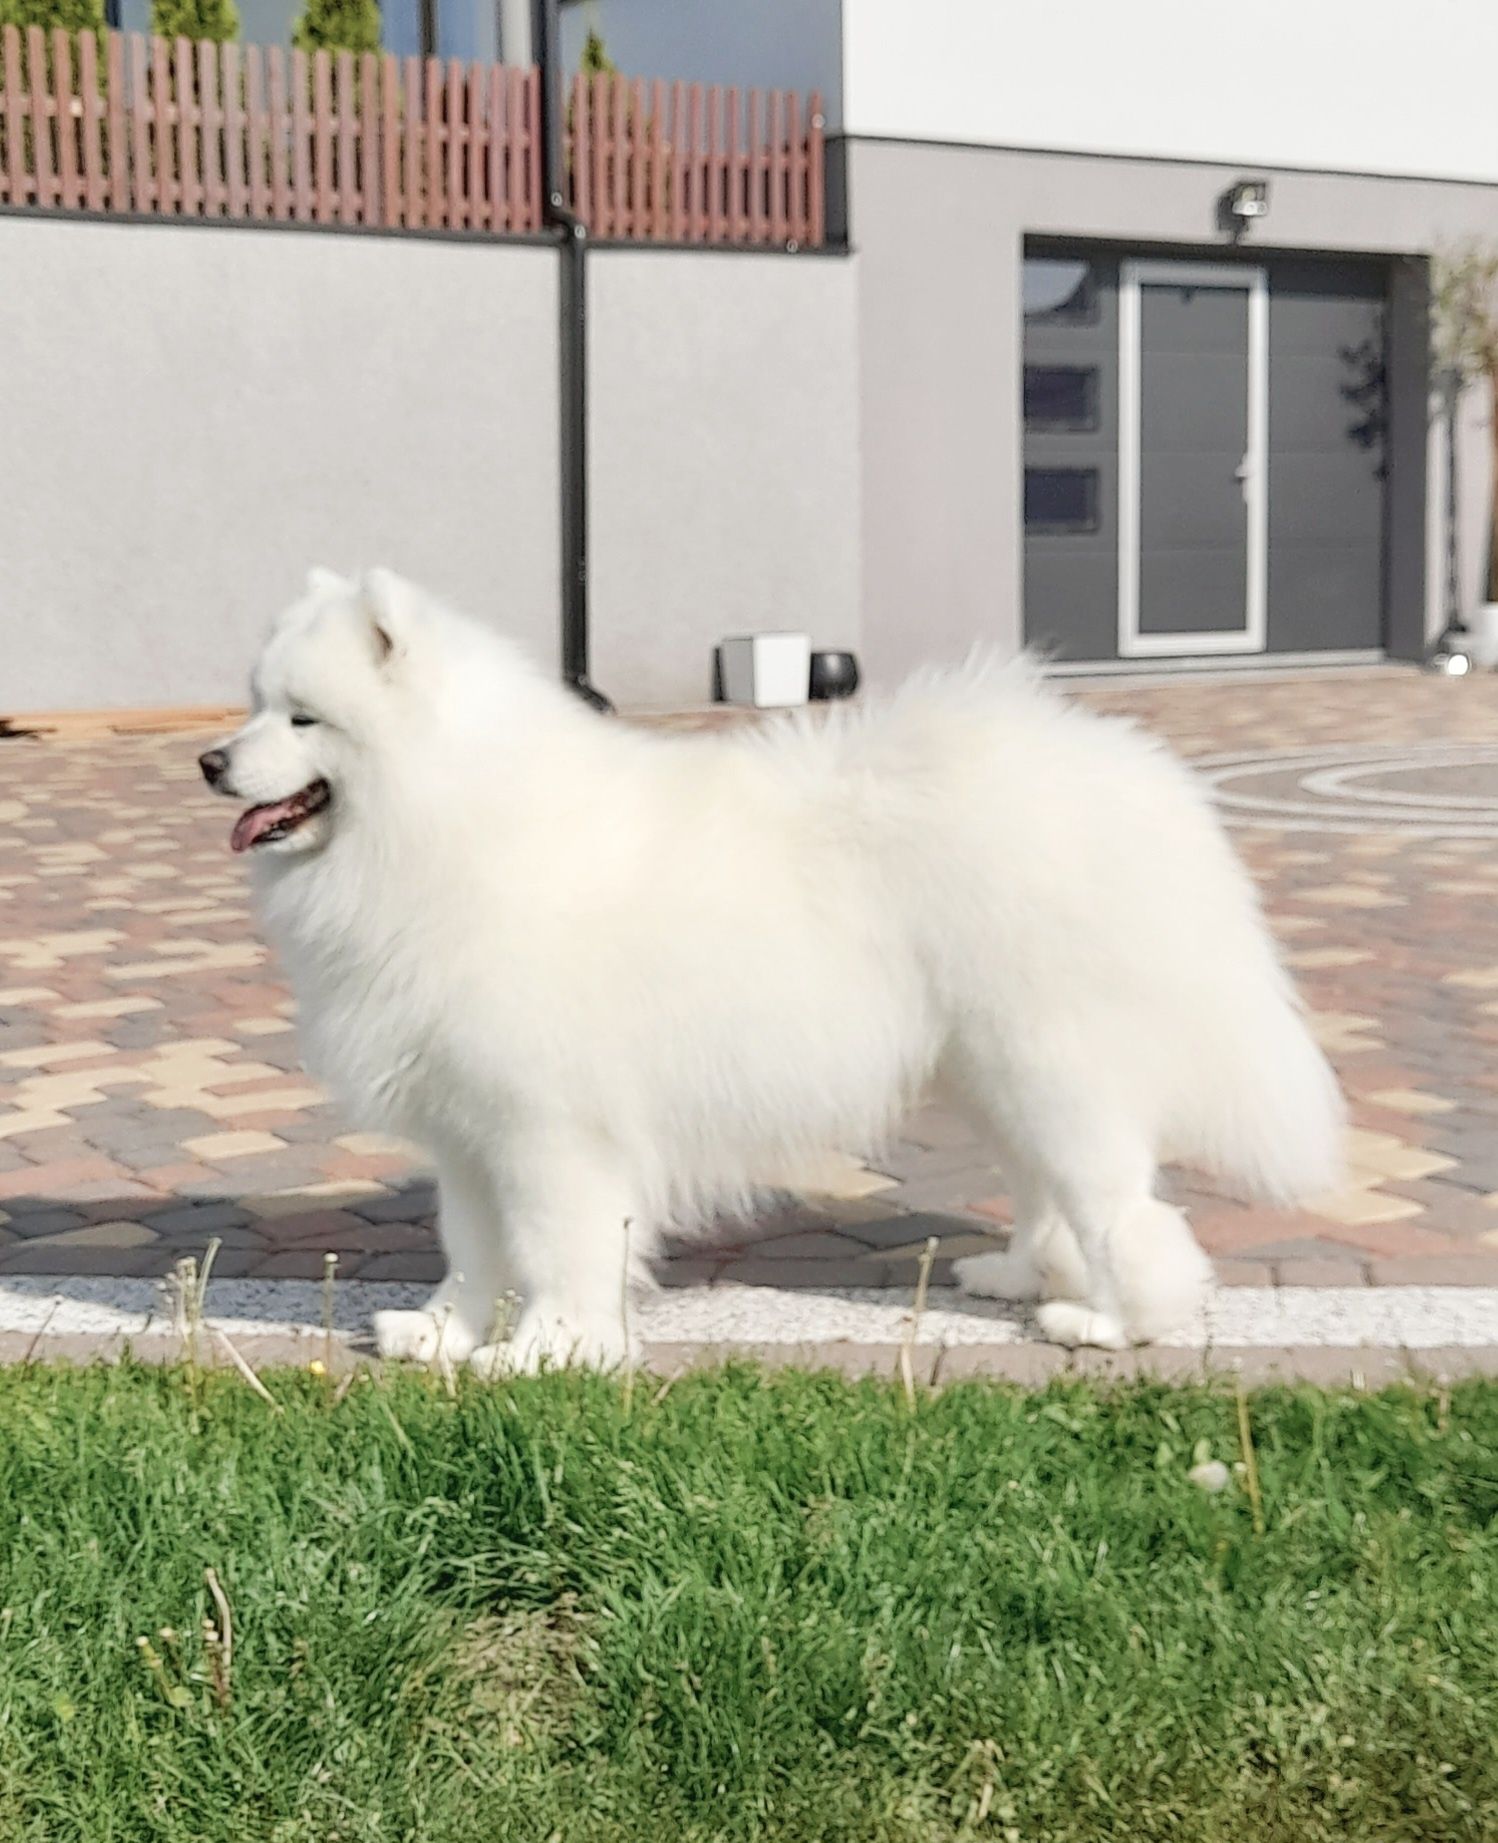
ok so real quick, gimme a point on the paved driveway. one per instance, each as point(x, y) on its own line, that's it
point(151, 1095)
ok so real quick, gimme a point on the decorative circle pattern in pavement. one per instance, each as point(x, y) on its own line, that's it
point(1431, 790)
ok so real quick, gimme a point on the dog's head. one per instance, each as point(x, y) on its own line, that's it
point(324, 680)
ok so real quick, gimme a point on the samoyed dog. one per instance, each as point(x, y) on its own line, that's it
point(608, 976)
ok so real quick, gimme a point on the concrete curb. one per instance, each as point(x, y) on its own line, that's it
point(1028, 1365)
point(1360, 1337)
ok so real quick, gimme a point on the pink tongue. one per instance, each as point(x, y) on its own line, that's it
point(259, 820)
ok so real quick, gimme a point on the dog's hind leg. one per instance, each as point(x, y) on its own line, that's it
point(1106, 1258)
point(1041, 1261)
point(1164, 1276)
point(1091, 1166)
point(1145, 1273)
point(1160, 1275)
point(1095, 1199)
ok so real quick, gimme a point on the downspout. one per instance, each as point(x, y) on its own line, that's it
point(572, 348)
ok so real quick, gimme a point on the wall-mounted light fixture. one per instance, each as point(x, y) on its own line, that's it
point(1246, 200)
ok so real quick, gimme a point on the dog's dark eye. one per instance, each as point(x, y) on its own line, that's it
point(300, 720)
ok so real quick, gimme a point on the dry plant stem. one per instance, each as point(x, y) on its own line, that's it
point(152, 1660)
point(184, 1285)
point(329, 1268)
point(191, 1295)
point(504, 1317)
point(245, 1370)
point(41, 1331)
point(185, 1311)
point(222, 1651)
point(629, 1368)
point(1250, 1463)
point(210, 1255)
point(440, 1363)
point(912, 1330)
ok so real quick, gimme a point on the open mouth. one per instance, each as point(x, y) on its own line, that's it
point(277, 819)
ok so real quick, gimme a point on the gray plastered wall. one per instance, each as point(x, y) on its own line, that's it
point(939, 236)
point(191, 415)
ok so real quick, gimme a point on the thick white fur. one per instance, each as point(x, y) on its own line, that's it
point(611, 976)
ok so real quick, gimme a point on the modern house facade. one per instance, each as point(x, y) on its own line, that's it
point(1119, 347)
point(1101, 411)
point(1211, 437)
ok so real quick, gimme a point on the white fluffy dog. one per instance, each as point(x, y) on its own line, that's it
point(609, 976)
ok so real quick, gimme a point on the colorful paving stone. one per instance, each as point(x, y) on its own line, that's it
point(151, 1095)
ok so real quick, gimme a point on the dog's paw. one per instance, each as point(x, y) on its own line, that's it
point(406, 1336)
point(997, 1276)
point(1063, 1321)
point(417, 1337)
point(542, 1342)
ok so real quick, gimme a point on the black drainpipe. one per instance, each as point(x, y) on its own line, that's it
point(572, 345)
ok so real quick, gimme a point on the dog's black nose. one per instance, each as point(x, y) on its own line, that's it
point(215, 765)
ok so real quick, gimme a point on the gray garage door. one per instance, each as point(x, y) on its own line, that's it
point(1203, 455)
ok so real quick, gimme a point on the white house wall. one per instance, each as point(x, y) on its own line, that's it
point(724, 460)
point(1380, 86)
point(191, 415)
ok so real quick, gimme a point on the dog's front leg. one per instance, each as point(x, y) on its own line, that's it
point(461, 1315)
point(571, 1230)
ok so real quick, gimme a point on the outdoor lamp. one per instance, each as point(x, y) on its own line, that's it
point(1248, 199)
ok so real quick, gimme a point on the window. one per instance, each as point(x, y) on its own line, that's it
point(1061, 397)
point(1061, 501)
point(1058, 293)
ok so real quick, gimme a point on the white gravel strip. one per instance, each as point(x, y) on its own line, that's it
point(1240, 1317)
point(1246, 1317)
point(245, 1308)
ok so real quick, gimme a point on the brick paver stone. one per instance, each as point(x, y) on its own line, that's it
point(150, 1095)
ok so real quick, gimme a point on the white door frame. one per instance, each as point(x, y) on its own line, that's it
point(1253, 472)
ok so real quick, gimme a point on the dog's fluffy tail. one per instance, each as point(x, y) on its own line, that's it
point(1272, 1122)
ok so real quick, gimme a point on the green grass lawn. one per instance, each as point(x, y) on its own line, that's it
point(777, 1607)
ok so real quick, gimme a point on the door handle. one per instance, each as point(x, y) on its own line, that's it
point(1243, 472)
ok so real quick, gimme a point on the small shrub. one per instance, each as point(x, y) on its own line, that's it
point(217, 20)
point(595, 60)
point(71, 15)
point(338, 25)
point(1464, 320)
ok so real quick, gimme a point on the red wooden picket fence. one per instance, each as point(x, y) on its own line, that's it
point(695, 163)
point(172, 128)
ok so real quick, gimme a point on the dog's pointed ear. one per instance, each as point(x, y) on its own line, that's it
point(321, 581)
point(387, 601)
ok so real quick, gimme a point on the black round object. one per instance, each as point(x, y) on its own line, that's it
point(833, 675)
